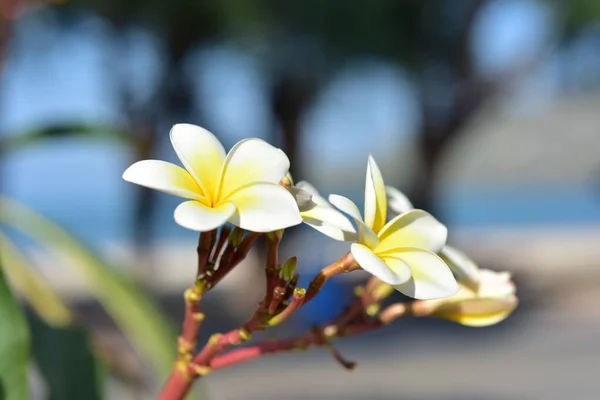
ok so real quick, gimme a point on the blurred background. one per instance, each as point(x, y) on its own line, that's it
point(486, 113)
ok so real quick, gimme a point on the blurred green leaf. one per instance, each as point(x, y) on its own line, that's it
point(19, 140)
point(135, 313)
point(14, 346)
point(65, 359)
point(42, 298)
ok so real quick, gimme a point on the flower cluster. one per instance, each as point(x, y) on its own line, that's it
point(250, 188)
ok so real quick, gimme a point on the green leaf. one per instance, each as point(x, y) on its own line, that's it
point(19, 140)
point(14, 346)
point(135, 313)
point(28, 284)
point(64, 358)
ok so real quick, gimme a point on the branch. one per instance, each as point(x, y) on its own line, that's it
point(317, 337)
point(344, 264)
point(236, 251)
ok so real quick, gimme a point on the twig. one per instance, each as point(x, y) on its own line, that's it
point(272, 265)
point(295, 303)
point(344, 264)
point(232, 256)
point(205, 246)
point(317, 337)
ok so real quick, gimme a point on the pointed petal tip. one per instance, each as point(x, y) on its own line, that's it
point(134, 170)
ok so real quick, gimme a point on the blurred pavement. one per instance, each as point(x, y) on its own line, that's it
point(540, 355)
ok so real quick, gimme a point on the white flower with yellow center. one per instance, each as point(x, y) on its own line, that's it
point(240, 187)
point(402, 252)
point(485, 297)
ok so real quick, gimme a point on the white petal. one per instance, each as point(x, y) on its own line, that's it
point(366, 236)
point(375, 197)
point(346, 205)
point(303, 198)
point(415, 228)
point(201, 154)
point(477, 312)
point(164, 176)
point(397, 201)
point(431, 277)
point(495, 284)
point(377, 267)
point(304, 185)
point(198, 217)
point(250, 161)
point(465, 270)
point(316, 197)
point(330, 222)
point(264, 207)
point(325, 218)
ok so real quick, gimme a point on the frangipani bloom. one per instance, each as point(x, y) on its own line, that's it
point(240, 187)
point(492, 302)
point(402, 252)
point(324, 218)
point(463, 268)
point(485, 297)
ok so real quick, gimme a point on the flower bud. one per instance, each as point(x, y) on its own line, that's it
point(286, 181)
point(286, 273)
point(382, 291)
point(493, 301)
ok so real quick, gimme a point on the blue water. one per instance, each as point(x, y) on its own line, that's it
point(111, 218)
point(526, 206)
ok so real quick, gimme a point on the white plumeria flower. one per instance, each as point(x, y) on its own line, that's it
point(492, 302)
point(464, 269)
point(240, 187)
point(324, 218)
point(402, 252)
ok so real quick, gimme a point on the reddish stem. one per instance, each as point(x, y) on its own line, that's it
point(272, 267)
point(316, 337)
point(205, 245)
point(232, 257)
point(177, 386)
point(344, 264)
point(258, 350)
point(276, 299)
point(295, 304)
point(223, 235)
point(193, 317)
point(191, 324)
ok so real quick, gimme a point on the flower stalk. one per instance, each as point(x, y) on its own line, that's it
point(206, 243)
point(232, 256)
point(297, 301)
point(320, 336)
point(345, 264)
